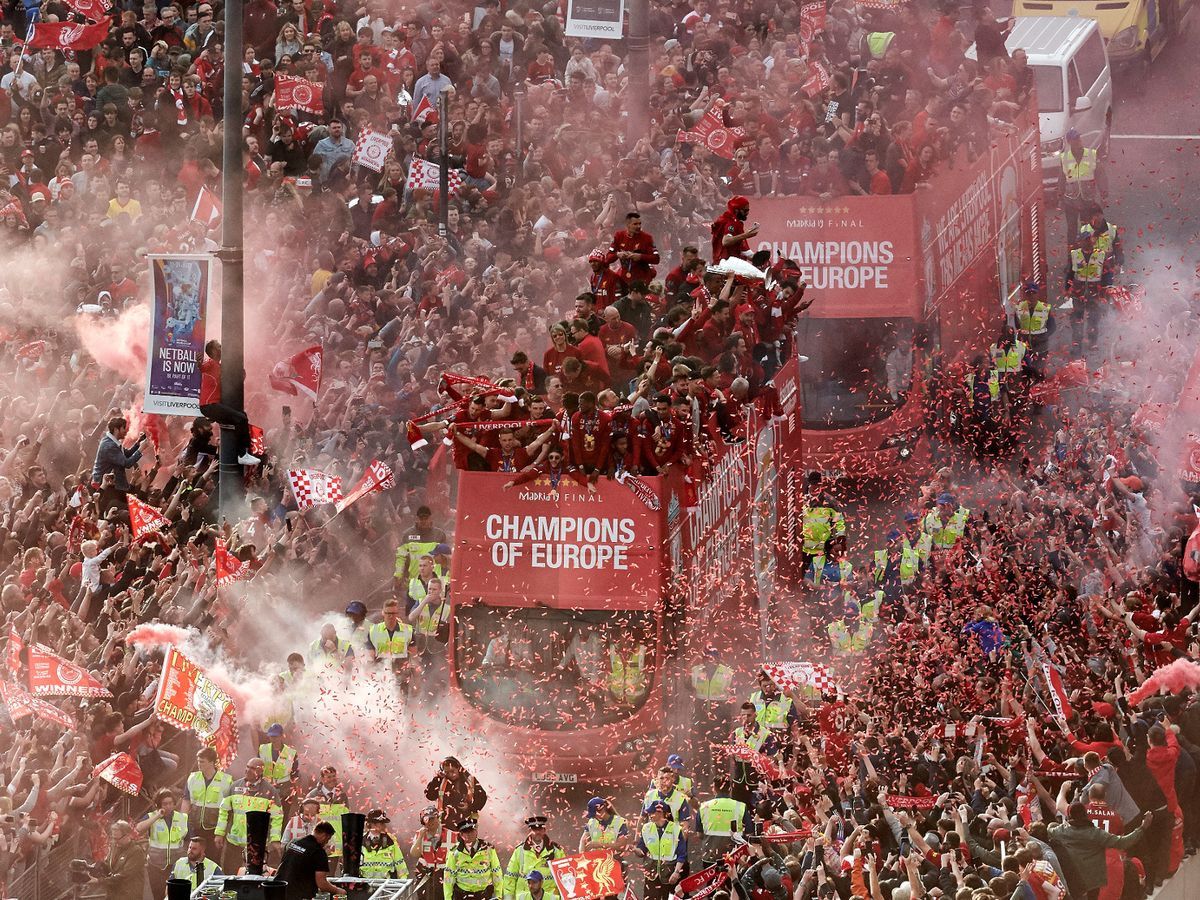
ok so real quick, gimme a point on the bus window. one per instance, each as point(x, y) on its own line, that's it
point(858, 370)
point(1049, 83)
point(551, 668)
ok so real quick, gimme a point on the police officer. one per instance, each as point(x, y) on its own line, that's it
point(205, 789)
point(165, 829)
point(356, 612)
point(821, 522)
point(1106, 235)
point(195, 867)
point(663, 845)
point(534, 853)
point(1080, 181)
point(281, 765)
point(381, 853)
point(666, 790)
point(1032, 315)
point(712, 694)
point(472, 867)
point(604, 829)
point(945, 524)
point(721, 819)
point(252, 793)
point(774, 710)
point(1088, 271)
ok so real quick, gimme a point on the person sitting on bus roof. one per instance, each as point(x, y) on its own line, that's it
point(508, 455)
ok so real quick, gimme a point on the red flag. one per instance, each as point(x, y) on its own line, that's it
point(229, 567)
point(812, 20)
point(765, 766)
point(122, 772)
point(15, 646)
point(33, 350)
point(587, 876)
point(377, 478)
point(704, 883)
point(312, 487)
point(422, 110)
point(207, 208)
point(1189, 459)
point(711, 132)
point(818, 78)
point(792, 675)
point(908, 801)
point(299, 93)
point(144, 519)
point(68, 35)
point(91, 9)
point(1058, 693)
point(258, 446)
point(188, 699)
point(301, 374)
point(20, 704)
point(52, 676)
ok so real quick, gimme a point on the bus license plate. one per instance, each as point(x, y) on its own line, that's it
point(555, 778)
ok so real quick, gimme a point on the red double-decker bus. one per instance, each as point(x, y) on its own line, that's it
point(895, 278)
point(571, 609)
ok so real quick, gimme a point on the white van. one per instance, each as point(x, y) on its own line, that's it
point(1073, 80)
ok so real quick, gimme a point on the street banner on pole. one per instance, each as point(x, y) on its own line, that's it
point(595, 18)
point(176, 347)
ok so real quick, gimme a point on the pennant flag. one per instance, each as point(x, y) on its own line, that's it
point(704, 883)
point(122, 772)
point(188, 699)
point(818, 78)
point(312, 487)
point(377, 478)
point(1058, 693)
point(372, 149)
point(812, 21)
point(906, 801)
point(424, 175)
point(207, 208)
point(258, 444)
point(792, 675)
point(711, 132)
point(422, 110)
point(229, 567)
point(20, 704)
point(52, 676)
point(32, 351)
point(145, 520)
point(299, 375)
point(299, 93)
point(68, 35)
point(91, 9)
point(587, 876)
point(15, 647)
point(641, 490)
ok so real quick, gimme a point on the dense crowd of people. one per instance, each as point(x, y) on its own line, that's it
point(575, 280)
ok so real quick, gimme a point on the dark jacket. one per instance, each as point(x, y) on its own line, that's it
point(1085, 846)
point(459, 799)
point(112, 457)
point(126, 873)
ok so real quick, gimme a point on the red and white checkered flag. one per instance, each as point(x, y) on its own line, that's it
point(424, 175)
point(378, 477)
point(312, 487)
point(790, 675)
point(372, 148)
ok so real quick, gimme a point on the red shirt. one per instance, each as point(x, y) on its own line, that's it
point(210, 381)
point(635, 269)
point(590, 438)
point(591, 351)
point(552, 359)
point(514, 462)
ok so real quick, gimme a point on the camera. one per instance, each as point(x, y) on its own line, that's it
point(81, 871)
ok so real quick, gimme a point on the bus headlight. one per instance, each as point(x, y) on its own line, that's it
point(1125, 39)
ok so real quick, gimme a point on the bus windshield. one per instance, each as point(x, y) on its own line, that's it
point(554, 669)
point(858, 370)
point(1049, 83)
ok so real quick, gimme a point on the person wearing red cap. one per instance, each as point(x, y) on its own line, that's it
point(730, 236)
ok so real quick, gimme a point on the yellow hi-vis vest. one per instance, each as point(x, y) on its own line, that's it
point(722, 817)
point(753, 741)
point(1080, 173)
point(393, 645)
point(186, 870)
point(232, 822)
point(166, 841)
point(881, 564)
point(675, 800)
point(627, 675)
point(945, 536)
point(910, 561)
point(772, 714)
point(845, 569)
point(820, 524)
point(206, 798)
point(714, 688)
point(332, 813)
point(1033, 318)
point(1087, 269)
point(878, 42)
point(1105, 239)
point(384, 862)
point(993, 384)
point(277, 771)
point(604, 834)
point(661, 845)
point(525, 860)
point(431, 617)
point(472, 869)
point(1008, 360)
point(408, 556)
point(839, 636)
point(323, 660)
